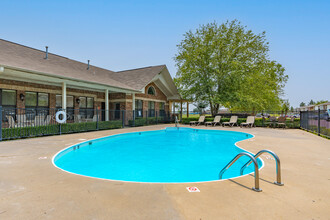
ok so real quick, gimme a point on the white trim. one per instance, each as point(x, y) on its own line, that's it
point(19, 74)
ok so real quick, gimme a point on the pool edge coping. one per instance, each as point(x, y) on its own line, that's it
point(211, 181)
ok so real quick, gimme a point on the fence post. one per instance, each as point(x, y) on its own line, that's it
point(133, 118)
point(147, 117)
point(97, 119)
point(123, 117)
point(263, 118)
point(319, 122)
point(0, 123)
point(156, 118)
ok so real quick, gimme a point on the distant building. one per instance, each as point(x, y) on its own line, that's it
point(323, 106)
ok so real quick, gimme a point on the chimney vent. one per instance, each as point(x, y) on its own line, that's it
point(88, 64)
point(46, 53)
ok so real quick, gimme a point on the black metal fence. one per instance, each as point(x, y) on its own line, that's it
point(316, 121)
point(244, 114)
point(18, 123)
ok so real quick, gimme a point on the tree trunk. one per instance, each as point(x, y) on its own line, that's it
point(214, 109)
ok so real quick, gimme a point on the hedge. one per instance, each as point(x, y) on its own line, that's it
point(258, 121)
point(146, 121)
point(54, 129)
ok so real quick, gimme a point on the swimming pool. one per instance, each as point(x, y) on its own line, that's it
point(163, 156)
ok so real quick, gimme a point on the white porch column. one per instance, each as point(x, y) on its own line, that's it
point(107, 104)
point(64, 95)
point(133, 100)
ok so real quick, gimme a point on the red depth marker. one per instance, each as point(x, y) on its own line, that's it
point(192, 189)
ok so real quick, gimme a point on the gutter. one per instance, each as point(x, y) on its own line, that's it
point(2, 67)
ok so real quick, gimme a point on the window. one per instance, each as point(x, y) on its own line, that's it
point(8, 98)
point(69, 105)
point(138, 108)
point(151, 109)
point(43, 100)
point(8, 102)
point(30, 99)
point(161, 109)
point(151, 91)
point(36, 104)
point(86, 107)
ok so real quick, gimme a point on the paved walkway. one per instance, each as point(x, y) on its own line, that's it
point(32, 188)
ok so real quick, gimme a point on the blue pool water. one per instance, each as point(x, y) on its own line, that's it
point(162, 156)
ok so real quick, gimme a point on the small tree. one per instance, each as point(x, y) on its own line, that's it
point(302, 104)
point(228, 65)
point(321, 102)
point(311, 102)
point(285, 106)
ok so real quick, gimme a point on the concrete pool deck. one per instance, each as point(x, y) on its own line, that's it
point(32, 188)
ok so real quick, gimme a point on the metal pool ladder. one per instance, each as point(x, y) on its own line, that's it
point(176, 122)
point(278, 165)
point(256, 167)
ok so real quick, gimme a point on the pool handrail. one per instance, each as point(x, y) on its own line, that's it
point(278, 165)
point(256, 169)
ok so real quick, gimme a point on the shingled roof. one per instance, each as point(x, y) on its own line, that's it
point(23, 57)
point(137, 78)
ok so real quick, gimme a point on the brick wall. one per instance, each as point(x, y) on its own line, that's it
point(125, 100)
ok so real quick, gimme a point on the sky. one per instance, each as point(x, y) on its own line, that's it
point(120, 35)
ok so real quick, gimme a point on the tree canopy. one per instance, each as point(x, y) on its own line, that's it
point(228, 65)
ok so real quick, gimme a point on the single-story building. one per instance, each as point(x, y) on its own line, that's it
point(37, 80)
point(323, 106)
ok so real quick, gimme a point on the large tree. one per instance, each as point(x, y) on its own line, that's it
point(228, 65)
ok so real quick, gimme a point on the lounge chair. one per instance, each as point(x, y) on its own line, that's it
point(200, 121)
point(281, 122)
point(232, 121)
point(214, 122)
point(249, 122)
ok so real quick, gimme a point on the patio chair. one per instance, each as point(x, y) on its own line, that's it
point(21, 120)
point(215, 121)
point(47, 120)
point(281, 122)
point(77, 119)
point(11, 122)
point(232, 121)
point(249, 122)
point(200, 121)
point(271, 122)
point(39, 120)
point(95, 118)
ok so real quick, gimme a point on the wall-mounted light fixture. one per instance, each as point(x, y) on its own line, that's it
point(78, 101)
point(21, 97)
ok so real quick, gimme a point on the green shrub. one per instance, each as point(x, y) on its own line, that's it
point(259, 122)
point(15, 133)
point(146, 121)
